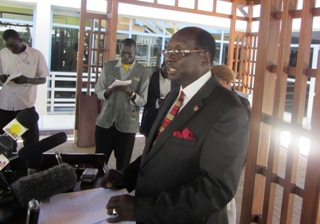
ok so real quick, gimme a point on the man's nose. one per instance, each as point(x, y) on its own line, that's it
point(124, 54)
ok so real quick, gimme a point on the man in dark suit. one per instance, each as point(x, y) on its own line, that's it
point(226, 77)
point(159, 87)
point(190, 171)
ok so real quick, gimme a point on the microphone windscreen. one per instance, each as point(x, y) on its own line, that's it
point(6, 144)
point(42, 146)
point(28, 117)
point(44, 184)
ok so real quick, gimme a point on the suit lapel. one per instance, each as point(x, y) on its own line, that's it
point(195, 105)
point(161, 115)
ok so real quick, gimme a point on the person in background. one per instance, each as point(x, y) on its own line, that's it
point(29, 68)
point(159, 87)
point(117, 123)
point(194, 153)
point(225, 77)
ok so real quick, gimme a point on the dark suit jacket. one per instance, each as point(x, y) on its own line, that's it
point(150, 111)
point(191, 181)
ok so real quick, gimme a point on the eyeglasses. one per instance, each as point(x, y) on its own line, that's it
point(180, 53)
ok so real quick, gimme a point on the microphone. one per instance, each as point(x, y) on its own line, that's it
point(42, 185)
point(32, 153)
point(24, 120)
point(29, 151)
point(6, 144)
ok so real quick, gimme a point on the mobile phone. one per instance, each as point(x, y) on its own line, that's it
point(89, 175)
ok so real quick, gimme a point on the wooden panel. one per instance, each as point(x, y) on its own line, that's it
point(248, 211)
point(310, 207)
point(94, 29)
point(90, 107)
point(111, 37)
point(176, 7)
point(269, 97)
point(242, 50)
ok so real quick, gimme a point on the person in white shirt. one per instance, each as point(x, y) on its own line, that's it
point(30, 69)
point(159, 87)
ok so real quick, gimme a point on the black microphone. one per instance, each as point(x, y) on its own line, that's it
point(42, 185)
point(29, 151)
point(28, 117)
point(33, 153)
point(24, 120)
point(6, 144)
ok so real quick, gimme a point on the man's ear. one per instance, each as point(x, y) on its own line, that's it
point(206, 59)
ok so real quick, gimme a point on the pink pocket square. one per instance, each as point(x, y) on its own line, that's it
point(185, 134)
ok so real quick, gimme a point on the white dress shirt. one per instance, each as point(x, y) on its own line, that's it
point(30, 63)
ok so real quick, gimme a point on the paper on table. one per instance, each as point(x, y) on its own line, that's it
point(11, 77)
point(81, 207)
point(118, 82)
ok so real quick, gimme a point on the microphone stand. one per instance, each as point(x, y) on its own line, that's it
point(33, 212)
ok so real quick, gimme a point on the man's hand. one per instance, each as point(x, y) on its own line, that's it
point(127, 88)
point(123, 206)
point(20, 80)
point(113, 179)
point(3, 78)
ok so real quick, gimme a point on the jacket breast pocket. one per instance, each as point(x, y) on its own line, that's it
point(183, 142)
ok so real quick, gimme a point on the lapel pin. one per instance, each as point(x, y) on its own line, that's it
point(196, 108)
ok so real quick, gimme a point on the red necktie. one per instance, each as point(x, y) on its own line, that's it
point(174, 110)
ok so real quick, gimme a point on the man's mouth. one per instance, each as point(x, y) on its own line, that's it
point(169, 69)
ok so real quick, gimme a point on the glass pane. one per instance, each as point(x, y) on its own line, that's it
point(64, 48)
point(224, 7)
point(17, 16)
point(166, 2)
point(217, 36)
point(186, 4)
point(123, 23)
point(66, 95)
point(300, 4)
point(316, 34)
point(148, 51)
point(148, 26)
point(242, 11)
point(146, 1)
point(226, 36)
point(216, 59)
point(255, 26)
point(24, 29)
point(225, 49)
point(65, 84)
point(241, 25)
point(256, 11)
point(205, 5)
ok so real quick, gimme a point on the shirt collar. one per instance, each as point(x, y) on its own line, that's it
point(194, 87)
point(160, 76)
point(119, 64)
point(27, 50)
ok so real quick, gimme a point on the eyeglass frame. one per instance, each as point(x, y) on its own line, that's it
point(167, 52)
